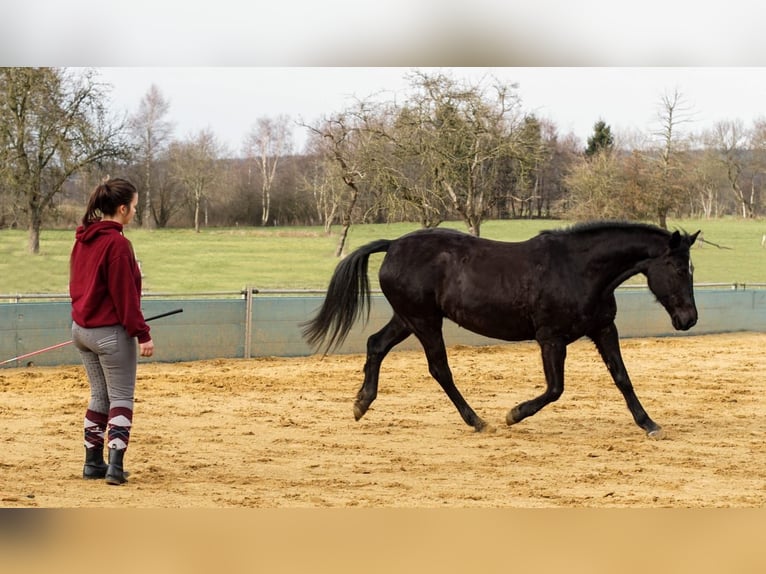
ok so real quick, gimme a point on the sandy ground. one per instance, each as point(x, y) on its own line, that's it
point(279, 432)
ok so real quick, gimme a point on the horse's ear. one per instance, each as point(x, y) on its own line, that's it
point(693, 238)
point(675, 240)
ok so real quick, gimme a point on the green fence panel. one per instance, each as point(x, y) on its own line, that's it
point(206, 329)
point(221, 328)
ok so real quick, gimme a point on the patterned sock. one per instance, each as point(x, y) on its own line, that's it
point(95, 427)
point(120, 421)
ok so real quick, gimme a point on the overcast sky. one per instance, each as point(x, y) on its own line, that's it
point(228, 100)
point(223, 64)
point(394, 32)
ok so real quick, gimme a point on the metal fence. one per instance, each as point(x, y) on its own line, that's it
point(257, 323)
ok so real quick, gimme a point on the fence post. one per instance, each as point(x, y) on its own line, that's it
point(248, 320)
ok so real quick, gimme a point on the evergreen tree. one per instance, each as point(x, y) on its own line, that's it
point(601, 139)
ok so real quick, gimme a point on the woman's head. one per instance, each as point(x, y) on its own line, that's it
point(113, 198)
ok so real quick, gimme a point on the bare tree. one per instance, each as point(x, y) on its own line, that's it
point(336, 135)
point(167, 193)
point(320, 182)
point(406, 174)
point(347, 138)
point(531, 155)
point(268, 141)
point(759, 133)
point(730, 139)
point(758, 146)
point(559, 155)
point(463, 130)
point(594, 183)
point(707, 180)
point(667, 192)
point(10, 202)
point(152, 134)
point(53, 123)
point(195, 166)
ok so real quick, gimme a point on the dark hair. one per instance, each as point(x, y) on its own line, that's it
point(106, 199)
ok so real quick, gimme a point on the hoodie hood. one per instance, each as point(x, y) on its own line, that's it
point(87, 234)
point(105, 280)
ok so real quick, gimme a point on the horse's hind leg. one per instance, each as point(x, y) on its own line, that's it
point(433, 344)
point(554, 354)
point(608, 344)
point(378, 346)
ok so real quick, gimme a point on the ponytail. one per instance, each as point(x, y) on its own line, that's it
point(107, 198)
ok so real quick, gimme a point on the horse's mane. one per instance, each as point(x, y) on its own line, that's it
point(590, 227)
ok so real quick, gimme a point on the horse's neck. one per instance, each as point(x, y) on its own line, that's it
point(616, 257)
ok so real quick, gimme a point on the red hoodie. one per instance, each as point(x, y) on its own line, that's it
point(105, 281)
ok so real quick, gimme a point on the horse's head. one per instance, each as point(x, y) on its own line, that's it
point(670, 277)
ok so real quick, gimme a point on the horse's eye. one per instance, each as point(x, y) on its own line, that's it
point(679, 267)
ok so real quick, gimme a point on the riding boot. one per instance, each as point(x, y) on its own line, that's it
point(115, 474)
point(95, 424)
point(94, 467)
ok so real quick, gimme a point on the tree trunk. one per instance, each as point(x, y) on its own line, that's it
point(342, 240)
point(266, 204)
point(474, 226)
point(346, 219)
point(346, 224)
point(34, 235)
point(148, 220)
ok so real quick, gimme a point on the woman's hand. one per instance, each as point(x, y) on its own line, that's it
point(146, 349)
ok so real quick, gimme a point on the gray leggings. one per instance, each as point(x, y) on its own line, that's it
point(110, 358)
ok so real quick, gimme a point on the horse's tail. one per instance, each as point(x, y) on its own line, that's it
point(347, 299)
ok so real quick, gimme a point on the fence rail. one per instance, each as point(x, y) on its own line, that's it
point(243, 293)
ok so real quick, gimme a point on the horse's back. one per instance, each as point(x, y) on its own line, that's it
point(430, 253)
point(450, 250)
point(486, 286)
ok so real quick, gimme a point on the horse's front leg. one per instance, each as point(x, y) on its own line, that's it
point(378, 346)
point(607, 342)
point(554, 354)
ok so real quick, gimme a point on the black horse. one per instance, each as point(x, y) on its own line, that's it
point(554, 288)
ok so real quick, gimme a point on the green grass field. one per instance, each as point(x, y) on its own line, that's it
point(181, 261)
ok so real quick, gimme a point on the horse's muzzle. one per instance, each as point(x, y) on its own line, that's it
point(684, 321)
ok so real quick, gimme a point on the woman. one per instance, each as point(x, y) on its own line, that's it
point(105, 287)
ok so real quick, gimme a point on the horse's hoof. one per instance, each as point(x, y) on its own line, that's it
point(656, 434)
point(513, 416)
point(359, 411)
point(486, 429)
point(481, 426)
